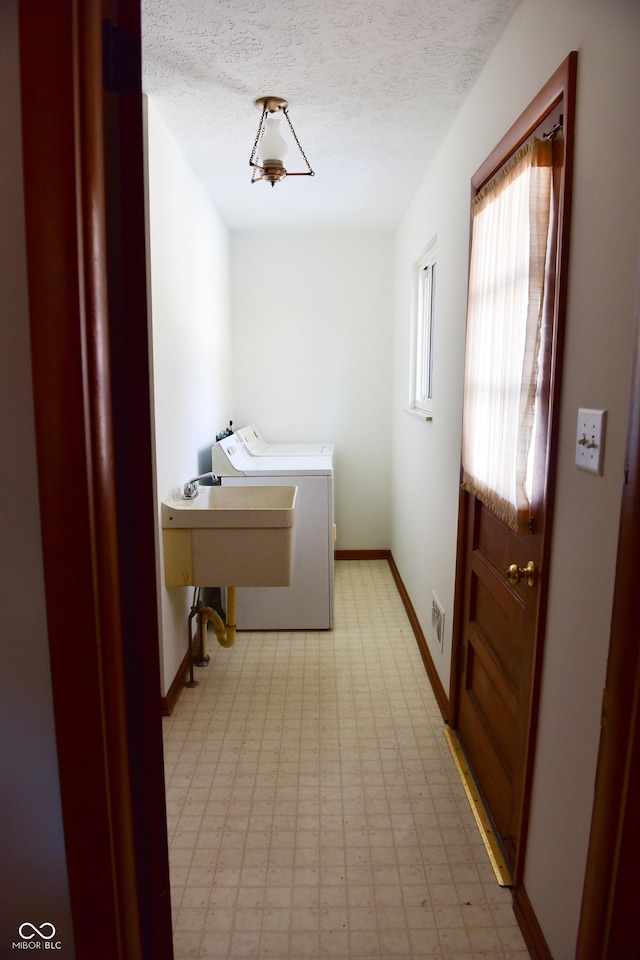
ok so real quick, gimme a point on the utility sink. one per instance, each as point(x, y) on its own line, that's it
point(229, 536)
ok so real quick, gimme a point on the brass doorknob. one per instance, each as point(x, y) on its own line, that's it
point(515, 573)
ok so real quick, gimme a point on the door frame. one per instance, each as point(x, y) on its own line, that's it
point(86, 262)
point(102, 923)
point(608, 920)
point(561, 86)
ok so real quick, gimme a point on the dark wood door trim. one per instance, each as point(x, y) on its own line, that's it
point(102, 696)
point(608, 922)
point(561, 87)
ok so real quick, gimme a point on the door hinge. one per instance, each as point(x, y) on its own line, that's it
point(121, 60)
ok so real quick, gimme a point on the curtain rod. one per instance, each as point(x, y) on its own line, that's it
point(554, 130)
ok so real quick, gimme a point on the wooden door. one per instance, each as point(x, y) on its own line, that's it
point(499, 624)
point(496, 664)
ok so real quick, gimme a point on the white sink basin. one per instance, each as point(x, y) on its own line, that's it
point(230, 536)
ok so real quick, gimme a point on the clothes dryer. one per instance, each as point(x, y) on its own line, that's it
point(307, 604)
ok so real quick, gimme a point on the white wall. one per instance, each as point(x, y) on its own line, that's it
point(189, 254)
point(33, 869)
point(603, 263)
point(312, 342)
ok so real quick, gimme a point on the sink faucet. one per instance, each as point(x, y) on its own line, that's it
point(190, 489)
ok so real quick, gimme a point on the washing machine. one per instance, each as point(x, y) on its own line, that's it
point(307, 604)
point(256, 445)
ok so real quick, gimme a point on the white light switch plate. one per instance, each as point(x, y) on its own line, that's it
point(590, 440)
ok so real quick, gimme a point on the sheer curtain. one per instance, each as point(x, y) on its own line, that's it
point(510, 227)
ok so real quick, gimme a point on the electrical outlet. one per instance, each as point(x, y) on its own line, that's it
point(437, 620)
point(590, 440)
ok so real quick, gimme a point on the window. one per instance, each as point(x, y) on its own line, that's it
point(423, 321)
point(510, 235)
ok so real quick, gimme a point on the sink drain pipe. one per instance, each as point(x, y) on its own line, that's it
point(226, 634)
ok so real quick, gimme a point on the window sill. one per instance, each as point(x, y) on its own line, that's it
point(419, 414)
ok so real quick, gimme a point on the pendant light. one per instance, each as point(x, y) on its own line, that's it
point(270, 147)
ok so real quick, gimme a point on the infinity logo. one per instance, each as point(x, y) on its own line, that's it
point(37, 930)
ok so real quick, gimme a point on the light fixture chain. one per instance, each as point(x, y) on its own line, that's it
point(255, 145)
point(295, 137)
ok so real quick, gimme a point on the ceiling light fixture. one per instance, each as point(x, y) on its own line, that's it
point(270, 148)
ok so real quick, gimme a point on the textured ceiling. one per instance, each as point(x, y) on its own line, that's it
point(372, 85)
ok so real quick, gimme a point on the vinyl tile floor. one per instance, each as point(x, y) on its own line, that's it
point(313, 806)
